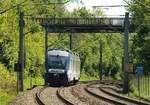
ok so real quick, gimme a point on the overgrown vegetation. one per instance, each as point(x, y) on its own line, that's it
point(86, 44)
point(143, 90)
point(7, 85)
point(140, 47)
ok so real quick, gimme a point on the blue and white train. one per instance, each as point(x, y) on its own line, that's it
point(63, 67)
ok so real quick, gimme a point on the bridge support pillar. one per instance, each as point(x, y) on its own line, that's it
point(70, 44)
point(126, 55)
point(101, 60)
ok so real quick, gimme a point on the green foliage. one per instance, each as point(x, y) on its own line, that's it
point(5, 97)
point(7, 85)
point(7, 79)
point(87, 45)
point(35, 81)
point(144, 88)
point(140, 47)
point(87, 77)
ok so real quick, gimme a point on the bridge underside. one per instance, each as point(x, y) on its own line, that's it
point(84, 29)
point(83, 25)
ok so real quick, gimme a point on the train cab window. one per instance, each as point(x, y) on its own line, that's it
point(57, 62)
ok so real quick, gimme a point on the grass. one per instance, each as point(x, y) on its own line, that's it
point(35, 81)
point(86, 77)
point(144, 88)
point(8, 96)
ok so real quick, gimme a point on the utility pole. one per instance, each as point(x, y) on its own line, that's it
point(111, 58)
point(122, 64)
point(101, 60)
point(21, 52)
point(46, 47)
point(70, 44)
point(126, 55)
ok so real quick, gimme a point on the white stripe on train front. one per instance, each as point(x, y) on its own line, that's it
point(56, 71)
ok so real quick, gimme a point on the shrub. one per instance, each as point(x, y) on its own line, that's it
point(7, 79)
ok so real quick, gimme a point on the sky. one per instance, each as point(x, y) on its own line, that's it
point(109, 11)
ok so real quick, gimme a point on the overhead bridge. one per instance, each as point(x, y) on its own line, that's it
point(87, 25)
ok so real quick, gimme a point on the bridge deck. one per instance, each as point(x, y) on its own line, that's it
point(82, 24)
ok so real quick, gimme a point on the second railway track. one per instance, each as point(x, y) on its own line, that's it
point(109, 91)
point(109, 94)
point(98, 94)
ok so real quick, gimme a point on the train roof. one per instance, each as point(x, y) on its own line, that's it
point(64, 50)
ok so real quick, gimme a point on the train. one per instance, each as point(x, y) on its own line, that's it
point(62, 67)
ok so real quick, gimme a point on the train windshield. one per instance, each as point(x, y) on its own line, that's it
point(57, 62)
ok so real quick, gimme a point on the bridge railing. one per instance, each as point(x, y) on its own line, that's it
point(81, 21)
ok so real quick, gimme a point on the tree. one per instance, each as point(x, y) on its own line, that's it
point(140, 48)
point(86, 44)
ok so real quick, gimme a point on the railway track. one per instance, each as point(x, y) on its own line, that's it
point(101, 95)
point(58, 95)
point(93, 93)
point(84, 93)
point(104, 92)
point(61, 96)
point(108, 90)
point(67, 97)
point(38, 96)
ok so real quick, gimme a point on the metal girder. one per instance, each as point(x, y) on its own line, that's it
point(82, 25)
point(89, 29)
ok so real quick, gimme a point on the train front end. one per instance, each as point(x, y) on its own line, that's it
point(56, 67)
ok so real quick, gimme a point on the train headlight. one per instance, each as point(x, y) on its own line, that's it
point(49, 70)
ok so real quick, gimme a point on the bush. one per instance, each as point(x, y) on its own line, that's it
point(6, 97)
point(7, 79)
point(7, 85)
